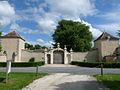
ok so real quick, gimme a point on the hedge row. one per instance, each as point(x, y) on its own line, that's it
point(23, 64)
point(97, 64)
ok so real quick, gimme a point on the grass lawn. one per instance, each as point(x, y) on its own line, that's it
point(112, 81)
point(18, 80)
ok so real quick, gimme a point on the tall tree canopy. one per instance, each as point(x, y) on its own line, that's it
point(74, 35)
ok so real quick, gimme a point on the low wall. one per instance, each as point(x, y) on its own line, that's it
point(90, 56)
point(27, 55)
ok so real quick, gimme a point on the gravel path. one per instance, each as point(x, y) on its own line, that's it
point(65, 81)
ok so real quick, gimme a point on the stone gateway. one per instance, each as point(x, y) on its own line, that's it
point(57, 55)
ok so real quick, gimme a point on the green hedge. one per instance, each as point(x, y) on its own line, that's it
point(23, 64)
point(97, 64)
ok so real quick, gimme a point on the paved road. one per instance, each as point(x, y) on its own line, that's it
point(66, 81)
point(64, 69)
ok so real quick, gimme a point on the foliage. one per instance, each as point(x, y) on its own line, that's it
point(23, 64)
point(0, 33)
point(18, 80)
point(112, 81)
point(74, 35)
point(97, 64)
point(34, 47)
point(37, 46)
point(32, 59)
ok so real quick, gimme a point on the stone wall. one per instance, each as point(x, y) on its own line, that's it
point(27, 55)
point(90, 56)
point(3, 58)
point(9, 45)
point(108, 47)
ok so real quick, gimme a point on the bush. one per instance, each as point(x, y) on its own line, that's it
point(97, 64)
point(23, 64)
point(32, 59)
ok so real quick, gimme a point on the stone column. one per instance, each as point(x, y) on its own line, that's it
point(65, 55)
point(45, 55)
point(51, 53)
point(71, 55)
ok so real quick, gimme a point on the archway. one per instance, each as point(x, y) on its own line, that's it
point(58, 57)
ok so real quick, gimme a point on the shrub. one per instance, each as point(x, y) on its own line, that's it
point(97, 64)
point(23, 64)
point(32, 59)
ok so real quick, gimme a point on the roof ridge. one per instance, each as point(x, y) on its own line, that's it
point(12, 34)
point(104, 35)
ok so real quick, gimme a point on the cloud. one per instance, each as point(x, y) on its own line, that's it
point(64, 9)
point(110, 19)
point(25, 30)
point(95, 32)
point(42, 42)
point(112, 15)
point(7, 13)
point(112, 28)
point(72, 7)
point(48, 13)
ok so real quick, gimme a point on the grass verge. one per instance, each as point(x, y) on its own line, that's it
point(112, 81)
point(18, 80)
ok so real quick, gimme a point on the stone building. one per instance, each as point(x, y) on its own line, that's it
point(12, 45)
point(106, 47)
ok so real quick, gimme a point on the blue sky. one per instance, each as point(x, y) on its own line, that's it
point(36, 20)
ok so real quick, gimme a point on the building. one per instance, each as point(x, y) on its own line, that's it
point(12, 45)
point(106, 47)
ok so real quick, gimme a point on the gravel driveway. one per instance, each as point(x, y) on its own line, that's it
point(65, 81)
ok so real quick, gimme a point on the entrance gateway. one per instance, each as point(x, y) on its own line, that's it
point(58, 55)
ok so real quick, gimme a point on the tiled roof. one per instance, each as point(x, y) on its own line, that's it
point(105, 36)
point(12, 34)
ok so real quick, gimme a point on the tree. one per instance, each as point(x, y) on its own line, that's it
point(37, 46)
point(74, 35)
point(34, 47)
point(0, 33)
point(27, 46)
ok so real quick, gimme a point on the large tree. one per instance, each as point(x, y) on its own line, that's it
point(74, 35)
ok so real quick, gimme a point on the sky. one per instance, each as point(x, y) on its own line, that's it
point(36, 20)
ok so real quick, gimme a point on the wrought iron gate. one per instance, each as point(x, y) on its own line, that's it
point(58, 57)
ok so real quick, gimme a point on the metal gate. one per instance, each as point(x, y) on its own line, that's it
point(58, 57)
point(48, 58)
